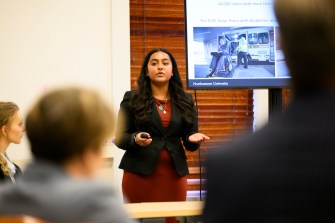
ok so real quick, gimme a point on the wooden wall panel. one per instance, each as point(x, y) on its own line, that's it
point(287, 95)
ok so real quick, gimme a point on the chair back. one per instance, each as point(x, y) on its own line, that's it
point(20, 219)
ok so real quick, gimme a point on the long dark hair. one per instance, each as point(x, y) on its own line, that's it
point(142, 100)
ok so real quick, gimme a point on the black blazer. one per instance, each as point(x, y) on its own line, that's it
point(142, 160)
point(4, 178)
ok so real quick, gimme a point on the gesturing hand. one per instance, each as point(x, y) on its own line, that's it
point(198, 138)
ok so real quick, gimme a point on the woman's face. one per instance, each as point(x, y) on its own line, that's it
point(14, 130)
point(159, 68)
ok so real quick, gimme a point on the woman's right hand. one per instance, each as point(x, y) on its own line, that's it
point(143, 139)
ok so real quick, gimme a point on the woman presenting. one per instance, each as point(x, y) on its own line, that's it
point(155, 123)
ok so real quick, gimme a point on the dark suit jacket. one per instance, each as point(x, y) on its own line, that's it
point(4, 178)
point(142, 160)
point(285, 172)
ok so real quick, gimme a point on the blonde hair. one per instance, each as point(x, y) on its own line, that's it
point(7, 111)
point(4, 166)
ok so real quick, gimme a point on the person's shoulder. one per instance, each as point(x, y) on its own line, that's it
point(17, 166)
point(89, 186)
point(99, 191)
point(91, 201)
point(131, 93)
point(18, 170)
point(102, 200)
point(99, 185)
point(128, 95)
point(86, 189)
point(86, 192)
point(8, 196)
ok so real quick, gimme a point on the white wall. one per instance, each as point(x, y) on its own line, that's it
point(50, 43)
point(261, 108)
point(120, 68)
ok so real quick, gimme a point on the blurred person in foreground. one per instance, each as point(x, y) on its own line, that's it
point(285, 171)
point(66, 129)
point(12, 129)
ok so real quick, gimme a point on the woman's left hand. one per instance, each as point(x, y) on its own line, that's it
point(198, 138)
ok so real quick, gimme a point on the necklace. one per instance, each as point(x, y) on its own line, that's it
point(160, 106)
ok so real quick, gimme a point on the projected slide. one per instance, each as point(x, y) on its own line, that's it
point(233, 44)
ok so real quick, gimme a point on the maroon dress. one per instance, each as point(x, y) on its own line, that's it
point(164, 184)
